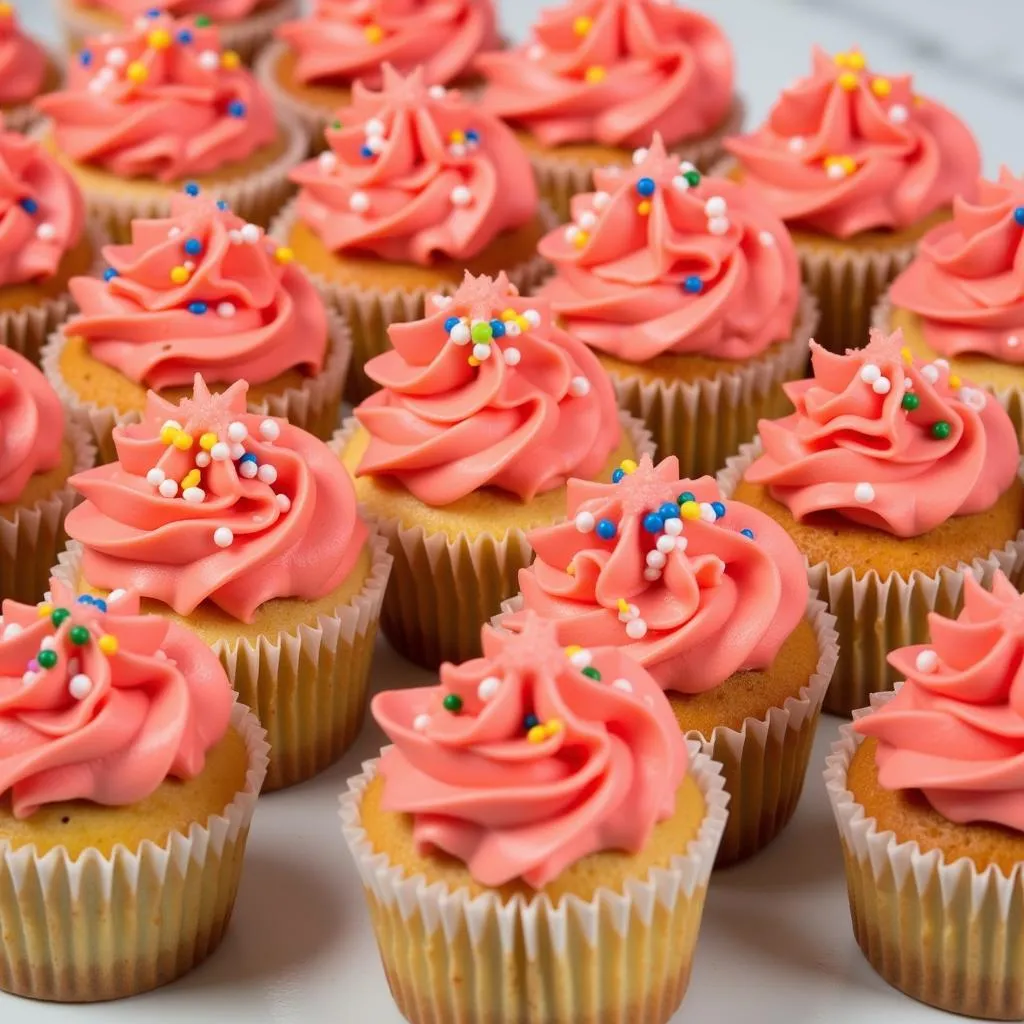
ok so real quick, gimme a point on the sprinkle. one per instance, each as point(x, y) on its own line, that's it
point(488, 688)
point(881, 87)
point(185, 37)
point(601, 200)
point(582, 25)
point(512, 356)
point(155, 477)
point(864, 493)
point(223, 537)
point(481, 351)
point(910, 401)
point(636, 629)
point(283, 254)
point(327, 161)
point(48, 643)
point(747, 532)
point(248, 468)
point(584, 521)
point(373, 33)
point(46, 232)
point(643, 207)
point(690, 510)
point(179, 274)
point(579, 656)
point(796, 144)
point(707, 513)
point(715, 207)
point(44, 610)
point(191, 479)
point(766, 238)
point(452, 702)
point(237, 451)
point(674, 526)
point(159, 39)
point(203, 21)
point(270, 430)
point(28, 204)
point(59, 615)
point(481, 331)
point(47, 659)
point(230, 60)
point(359, 202)
point(579, 387)
point(667, 542)
point(168, 488)
point(12, 629)
point(220, 452)
point(421, 722)
point(1018, 215)
point(940, 430)
point(930, 373)
point(237, 431)
point(192, 189)
point(839, 166)
point(79, 635)
point(848, 81)
point(606, 529)
point(926, 661)
point(628, 466)
point(719, 509)
point(193, 495)
point(653, 523)
point(718, 225)
point(622, 684)
point(209, 60)
point(954, 381)
point(251, 233)
point(117, 57)
point(656, 559)
point(85, 58)
point(881, 386)
point(532, 317)
point(538, 734)
point(108, 644)
point(136, 72)
point(197, 308)
point(225, 309)
point(284, 502)
point(869, 373)
point(898, 113)
point(692, 284)
point(645, 187)
point(267, 473)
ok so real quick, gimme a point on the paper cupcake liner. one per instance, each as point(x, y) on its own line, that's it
point(370, 312)
point(875, 616)
point(442, 591)
point(314, 407)
point(621, 956)
point(25, 117)
point(703, 422)
point(311, 116)
point(946, 934)
point(308, 687)
point(105, 927)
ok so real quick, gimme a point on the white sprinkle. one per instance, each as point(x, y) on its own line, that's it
point(96, 85)
point(421, 722)
point(237, 431)
point(457, 150)
point(48, 643)
point(796, 143)
point(209, 60)
point(488, 688)
point(666, 543)
point(636, 629)
point(168, 488)
point(766, 238)
point(587, 220)
point(155, 477)
point(639, 155)
point(601, 200)
point(80, 686)
point(673, 527)
point(196, 495)
point(581, 659)
point(652, 575)
point(235, 236)
point(141, 23)
point(532, 317)
point(223, 537)
point(512, 329)
point(220, 452)
point(28, 678)
point(512, 355)
point(11, 629)
point(270, 430)
point(328, 162)
point(237, 451)
point(251, 233)
point(116, 595)
point(622, 684)
point(248, 470)
point(715, 207)
point(656, 559)
point(930, 373)
point(202, 459)
point(437, 92)
point(535, 52)
point(898, 113)
point(836, 171)
point(869, 373)
point(359, 202)
point(267, 473)
point(864, 493)
point(942, 363)
point(1013, 341)
point(926, 661)
point(973, 398)
point(46, 232)
point(481, 351)
point(882, 386)
point(461, 196)
point(685, 166)
point(631, 612)
point(226, 309)
point(584, 521)
point(375, 143)
point(117, 57)
point(173, 231)
point(284, 502)
point(707, 513)
point(718, 225)
point(375, 126)
point(579, 387)
point(189, 265)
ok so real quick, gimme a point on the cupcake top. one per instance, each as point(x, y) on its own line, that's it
point(161, 100)
point(23, 62)
point(31, 424)
point(486, 392)
point(845, 150)
point(415, 173)
point(660, 260)
point(967, 281)
point(612, 72)
point(954, 731)
point(42, 213)
point(526, 760)
point(209, 503)
point(203, 10)
point(668, 571)
point(203, 292)
point(342, 40)
point(887, 441)
point(100, 703)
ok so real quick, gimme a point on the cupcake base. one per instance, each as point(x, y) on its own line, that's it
point(20, 117)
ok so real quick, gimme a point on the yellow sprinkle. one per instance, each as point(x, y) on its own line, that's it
point(856, 60)
point(6, 10)
point(538, 734)
point(179, 275)
point(570, 570)
point(627, 466)
point(108, 644)
point(207, 441)
point(473, 361)
point(457, 136)
point(954, 381)
point(524, 324)
point(643, 207)
point(689, 510)
point(580, 239)
point(136, 72)
point(881, 86)
point(182, 441)
point(230, 60)
point(191, 479)
point(908, 356)
point(594, 74)
point(582, 25)
point(919, 101)
point(508, 314)
point(848, 164)
point(572, 649)
point(841, 59)
point(623, 605)
point(168, 434)
point(553, 727)
point(848, 80)
point(283, 254)
point(44, 610)
point(373, 33)
point(158, 39)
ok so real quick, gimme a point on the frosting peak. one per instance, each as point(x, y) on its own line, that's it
point(415, 173)
point(528, 759)
point(23, 61)
point(887, 441)
point(100, 703)
point(614, 72)
point(486, 392)
point(846, 150)
point(160, 101)
point(209, 503)
point(662, 260)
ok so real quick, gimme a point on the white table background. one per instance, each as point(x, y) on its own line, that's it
point(776, 944)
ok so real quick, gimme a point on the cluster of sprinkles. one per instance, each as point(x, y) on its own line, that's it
point(44, 231)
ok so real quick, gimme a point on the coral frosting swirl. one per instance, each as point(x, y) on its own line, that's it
point(955, 730)
point(219, 10)
point(655, 264)
point(845, 150)
point(200, 291)
point(344, 40)
point(414, 174)
point(100, 703)
point(209, 503)
point(614, 72)
point(691, 587)
point(541, 765)
point(42, 213)
point(161, 101)
point(22, 62)
point(886, 441)
point(487, 392)
point(967, 281)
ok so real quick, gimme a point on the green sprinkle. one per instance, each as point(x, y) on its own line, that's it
point(58, 615)
point(685, 497)
point(203, 21)
point(910, 401)
point(47, 658)
point(79, 635)
point(693, 177)
point(592, 673)
point(941, 430)
point(482, 332)
point(453, 703)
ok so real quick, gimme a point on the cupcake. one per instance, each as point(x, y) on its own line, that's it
point(202, 292)
point(44, 241)
point(711, 599)
point(599, 77)
point(487, 409)
point(535, 820)
point(688, 289)
point(961, 298)
point(243, 528)
point(128, 778)
point(310, 71)
point(26, 71)
point(417, 186)
point(162, 105)
point(246, 26)
point(40, 449)
point(925, 785)
point(859, 167)
point(896, 479)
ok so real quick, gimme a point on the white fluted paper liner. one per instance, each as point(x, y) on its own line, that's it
point(703, 422)
point(442, 591)
point(309, 687)
point(369, 312)
point(103, 927)
point(944, 933)
point(621, 956)
point(315, 406)
point(875, 616)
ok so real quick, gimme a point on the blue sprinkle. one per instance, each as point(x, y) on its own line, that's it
point(185, 36)
point(685, 497)
point(153, 12)
point(617, 475)
point(365, 152)
point(451, 323)
point(193, 246)
point(222, 204)
point(692, 284)
point(530, 721)
point(199, 308)
point(1018, 215)
point(28, 204)
point(100, 603)
point(497, 329)
point(748, 533)
point(645, 186)
point(719, 509)
point(86, 599)
point(109, 274)
point(191, 189)
point(248, 457)
point(85, 58)
point(472, 136)
point(653, 523)
point(236, 108)
point(669, 510)
point(606, 529)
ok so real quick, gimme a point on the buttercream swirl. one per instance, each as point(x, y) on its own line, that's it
point(42, 213)
point(886, 441)
point(967, 280)
point(203, 292)
point(845, 150)
point(691, 587)
point(128, 702)
point(955, 730)
point(23, 62)
point(659, 260)
point(209, 503)
point(614, 72)
point(415, 173)
point(160, 101)
point(219, 10)
point(541, 765)
point(344, 40)
point(522, 409)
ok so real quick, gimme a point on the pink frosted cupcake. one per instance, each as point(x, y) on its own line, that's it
point(599, 77)
point(860, 167)
point(26, 72)
point(202, 292)
point(160, 105)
